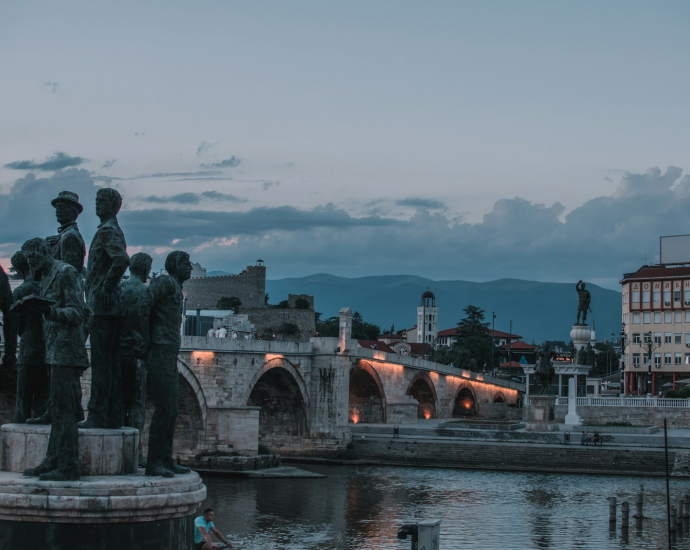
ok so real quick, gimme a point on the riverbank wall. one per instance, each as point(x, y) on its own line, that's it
point(518, 457)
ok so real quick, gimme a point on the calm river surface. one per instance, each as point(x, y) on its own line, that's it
point(361, 507)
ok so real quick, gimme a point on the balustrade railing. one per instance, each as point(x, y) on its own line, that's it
point(627, 402)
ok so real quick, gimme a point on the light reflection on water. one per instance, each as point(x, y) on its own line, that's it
point(358, 508)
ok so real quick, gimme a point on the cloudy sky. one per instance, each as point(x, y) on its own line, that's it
point(448, 139)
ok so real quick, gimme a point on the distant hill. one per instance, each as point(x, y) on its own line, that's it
point(540, 311)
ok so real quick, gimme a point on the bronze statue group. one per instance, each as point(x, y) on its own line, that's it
point(134, 331)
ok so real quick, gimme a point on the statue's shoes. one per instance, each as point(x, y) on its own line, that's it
point(142, 462)
point(178, 468)
point(159, 471)
point(89, 424)
point(59, 475)
point(43, 419)
point(38, 470)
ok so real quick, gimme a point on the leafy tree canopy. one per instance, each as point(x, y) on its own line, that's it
point(229, 302)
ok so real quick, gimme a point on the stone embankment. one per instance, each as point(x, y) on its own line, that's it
point(511, 450)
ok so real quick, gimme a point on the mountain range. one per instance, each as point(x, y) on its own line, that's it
point(539, 311)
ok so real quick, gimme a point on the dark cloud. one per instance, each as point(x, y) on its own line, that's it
point(608, 179)
point(52, 85)
point(58, 161)
point(267, 184)
point(109, 163)
point(419, 202)
point(193, 198)
point(204, 147)
point(232, 162)
point(139, 133)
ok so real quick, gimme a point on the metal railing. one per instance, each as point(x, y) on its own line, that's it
point(641, 402)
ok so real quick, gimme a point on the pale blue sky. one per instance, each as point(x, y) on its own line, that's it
point(373, 137)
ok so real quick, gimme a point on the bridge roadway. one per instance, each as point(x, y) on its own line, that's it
point(303, 397)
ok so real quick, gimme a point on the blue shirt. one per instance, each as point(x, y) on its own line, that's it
point(201, 522)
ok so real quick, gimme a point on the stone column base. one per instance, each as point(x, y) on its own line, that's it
point(541, 413)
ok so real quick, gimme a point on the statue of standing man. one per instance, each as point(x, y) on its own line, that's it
point(166, 316)
point(65, 348)
point(108, 261)
point(583, 304)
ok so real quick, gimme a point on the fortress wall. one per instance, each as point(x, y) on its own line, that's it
point(249, 286)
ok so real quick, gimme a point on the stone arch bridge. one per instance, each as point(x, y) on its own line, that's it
point(303, 396)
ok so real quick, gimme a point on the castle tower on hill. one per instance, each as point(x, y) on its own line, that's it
point(427, 319)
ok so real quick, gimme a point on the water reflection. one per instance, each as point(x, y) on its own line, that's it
point(362, 508)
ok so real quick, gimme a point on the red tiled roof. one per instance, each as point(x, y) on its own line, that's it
point(420, 347)
point(391, 337)
point(519, 345)
point(656, 272)
point(375, 344)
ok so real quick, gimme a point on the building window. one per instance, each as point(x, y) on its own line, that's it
point(656, 296)
point(676, 295)
point(646, 318)
point(667, 296)
point(687, 358)
point(667, 358)
point(679, 317)
point(678, 338)
point(647, 337)
point(635, 296)
point(636, 360)
point(657, 338)
point(636, 338)
point(645, 359)
point(687, 337)
point(668, 317)
point(679, 359)
point(657, 360)
point(657, 317)
point(686, 296)
point(636, 318)
point(645, 296)
point(667, 337)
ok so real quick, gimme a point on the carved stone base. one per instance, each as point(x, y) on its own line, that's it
point(542, 409)
point(101, 452)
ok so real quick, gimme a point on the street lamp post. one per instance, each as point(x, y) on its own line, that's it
point(493, 335)
point(649, 346)
point(622, 359)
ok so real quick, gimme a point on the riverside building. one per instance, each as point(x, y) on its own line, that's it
point(656, 318)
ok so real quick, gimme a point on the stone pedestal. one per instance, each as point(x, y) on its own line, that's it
point(135, 512)
point(572, 418)
point(102, 452)
point(542, 413)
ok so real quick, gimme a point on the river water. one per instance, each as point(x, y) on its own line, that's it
point(361, 507)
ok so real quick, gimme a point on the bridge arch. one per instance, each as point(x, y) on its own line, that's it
point(187, 373)
point(499, 397)
point(422, 388)
point(465, 402)
point(367, 400)
point(279, 389)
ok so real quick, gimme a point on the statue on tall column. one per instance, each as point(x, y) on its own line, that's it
point(108, 261)
point(63, 309)
point(134, 343)
point(166, 316)
point(9, 331)
point(544, 370)
point(583, 303)
point(67, 246)
point(32, 374)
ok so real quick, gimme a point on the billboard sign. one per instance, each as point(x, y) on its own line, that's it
point(674, 249)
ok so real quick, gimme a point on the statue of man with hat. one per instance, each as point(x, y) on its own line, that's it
point(68, 245)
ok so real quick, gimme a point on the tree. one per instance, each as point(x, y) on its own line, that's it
point(361, 330)
point(475, 339)
point(606, 361)
point(302, 303)
point(288, 329)
point(329, 328)
point(229, 302)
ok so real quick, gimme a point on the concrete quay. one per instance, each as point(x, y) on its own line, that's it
point(448, 444)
